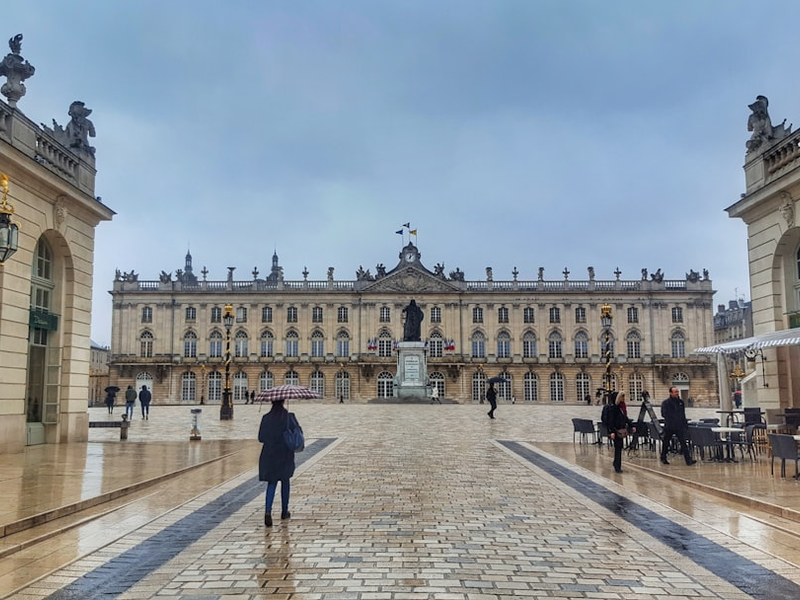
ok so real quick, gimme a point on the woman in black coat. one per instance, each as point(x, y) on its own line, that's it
point(276, 462)
point(619, 426)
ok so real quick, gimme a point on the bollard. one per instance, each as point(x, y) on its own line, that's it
point(123, 428)
point(194, 434)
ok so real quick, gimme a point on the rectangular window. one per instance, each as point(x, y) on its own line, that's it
point(477, 315)
point(580, 315)
point(677, 315)
point(291, 314)
point(436, 314)
point(385, 315)
point(147, 314)
point(241, 314)
point(191, 313)
point(555, 315)
point(633, 315)
point(316, 314)
point(528, 315)
point(502, 315)
point(216, 314)
point(266, 314)
point(341, 315)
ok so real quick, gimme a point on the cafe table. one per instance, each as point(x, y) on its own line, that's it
point(731, 416)
point(726, 435)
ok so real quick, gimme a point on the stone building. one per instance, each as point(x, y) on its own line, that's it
point(46, 285)
point(338, 336)
point(98, 373)
point(733, 322)
point(769, 208)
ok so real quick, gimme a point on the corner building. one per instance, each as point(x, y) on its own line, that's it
point(338, 337)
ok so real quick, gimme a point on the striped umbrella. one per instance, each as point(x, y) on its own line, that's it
point(286, 392)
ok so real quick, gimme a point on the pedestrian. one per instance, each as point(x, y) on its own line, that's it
point(341, 398)
point(110, 399)
point(674, 413)
point(144, 399)
point(616, 420)
point(130, 402)
point(588, 399)
point(435, 394)
point(253, 397)
point(276, 463)
point(491, 396)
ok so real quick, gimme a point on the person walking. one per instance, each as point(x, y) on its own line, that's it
point(276, 462)
point(130, 402)
point(435, 394)
point(619, 426)
point(110, 399)
point(674, 413)
point(491, 396)
point(144, 399)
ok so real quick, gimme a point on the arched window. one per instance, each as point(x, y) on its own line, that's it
point(343, 344)
point(317, 344)
point(581, 345)
point(240, 344)
point(479, 386)
point(554, 345)
point(240, 388)
point(478, 345)
point(634, 344)
point(531, 387)
point(343, 385)
point(385, 385)
point(188, 387)
point(437, 381)
point(504, 388)
point(190, 344)
point(292, 378)
point(529, 345)
point(146, 345)
point(503, 345)
point(265, 381)
point(583, 387)
point(214, 386)
point(435, 345)
point(318, 383)
point(292, 344)
point(678, 342)
point(556, 387)
point(385, 343)
point(267, 344)
point(635, 386)
point(215, 344)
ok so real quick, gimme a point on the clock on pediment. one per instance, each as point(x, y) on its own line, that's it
point(409, 255)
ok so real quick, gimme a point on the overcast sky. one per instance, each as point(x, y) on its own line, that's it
point(510, 134)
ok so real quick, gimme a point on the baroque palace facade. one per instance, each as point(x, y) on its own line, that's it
point(48, 178)
point(338, 336)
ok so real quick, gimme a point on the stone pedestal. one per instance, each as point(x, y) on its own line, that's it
point(412, 371)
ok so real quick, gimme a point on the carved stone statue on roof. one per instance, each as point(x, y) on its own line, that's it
point(78, 131)
point(760, 124)
point(16, 70)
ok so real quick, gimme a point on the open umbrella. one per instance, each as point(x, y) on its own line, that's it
point(497, 379)
point(112, 389)
point(286, 392)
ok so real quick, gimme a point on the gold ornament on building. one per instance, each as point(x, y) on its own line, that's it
point(9, 230)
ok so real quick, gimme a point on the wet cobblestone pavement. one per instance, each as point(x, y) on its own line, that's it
point(439, 502)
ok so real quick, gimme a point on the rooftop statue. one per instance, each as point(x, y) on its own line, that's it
point(760, 124)
point(16, 70)
point(78, 131)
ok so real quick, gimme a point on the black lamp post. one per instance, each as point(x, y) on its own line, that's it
point(9, 231)
point(226, 410)
point(605, 321)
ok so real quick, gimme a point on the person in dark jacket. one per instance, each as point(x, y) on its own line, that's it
point(276, 462)
point(110, 399)
point(674, 413)
point(491, 396)
point(130, 402)
point(144, 399)
point(618, 425)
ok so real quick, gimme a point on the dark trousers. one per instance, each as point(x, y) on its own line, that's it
point(619, 441)
point(681, 434)
point(494, 406)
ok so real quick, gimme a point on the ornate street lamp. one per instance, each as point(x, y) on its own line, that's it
point(605, 321)
point(226, 410)
point(9, 230)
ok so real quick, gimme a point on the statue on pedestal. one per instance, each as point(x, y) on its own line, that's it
point(412, 327)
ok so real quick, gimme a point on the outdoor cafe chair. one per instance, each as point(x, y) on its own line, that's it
point(783, 447)
point(583, 428)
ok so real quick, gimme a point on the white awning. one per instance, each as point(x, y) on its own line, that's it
point(785, 337)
